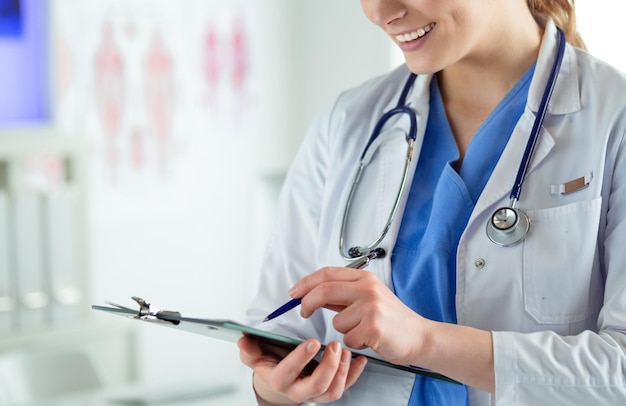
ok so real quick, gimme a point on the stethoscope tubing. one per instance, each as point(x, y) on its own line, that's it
point(506, 236)
point(500, 229)
point(401, 108)
point(541, 114)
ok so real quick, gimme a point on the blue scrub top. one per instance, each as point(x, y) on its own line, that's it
point(438, 208)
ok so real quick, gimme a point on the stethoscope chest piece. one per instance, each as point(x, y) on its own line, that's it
point(508, 226)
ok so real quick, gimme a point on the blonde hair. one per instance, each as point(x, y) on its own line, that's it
point(563, 13)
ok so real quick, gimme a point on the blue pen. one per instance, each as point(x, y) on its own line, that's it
point(360, 263)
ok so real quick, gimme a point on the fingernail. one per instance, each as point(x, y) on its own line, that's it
point(311, 347)
point(362, 363)
point(336, 348)
point(345, 357)
point(292, 292)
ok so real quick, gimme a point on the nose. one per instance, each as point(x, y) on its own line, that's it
point(383, 12)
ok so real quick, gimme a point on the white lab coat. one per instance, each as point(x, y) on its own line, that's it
point(556, 303)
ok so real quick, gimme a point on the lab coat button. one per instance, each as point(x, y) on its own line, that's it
point(479, 263)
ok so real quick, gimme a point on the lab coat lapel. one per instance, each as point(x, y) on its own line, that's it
point(565, 99)
point(503, 177)
point(566, 96)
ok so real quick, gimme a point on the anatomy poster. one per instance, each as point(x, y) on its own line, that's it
point(149, 81)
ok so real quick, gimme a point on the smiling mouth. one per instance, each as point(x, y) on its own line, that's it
point(411, 36)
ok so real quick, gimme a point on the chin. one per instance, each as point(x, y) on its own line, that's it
point(422, 69)
point(422, 66)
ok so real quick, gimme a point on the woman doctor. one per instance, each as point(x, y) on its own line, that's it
point(528, 317)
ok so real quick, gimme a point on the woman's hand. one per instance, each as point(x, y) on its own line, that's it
point(284, 381)
point(369, 313)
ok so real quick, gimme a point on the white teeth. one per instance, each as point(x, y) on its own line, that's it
point(415, 34)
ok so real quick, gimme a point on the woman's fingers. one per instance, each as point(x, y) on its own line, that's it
point(328, 274)
point(336, 372)
point(249, 350)
point(286, 378)
point(347, 373)
point(357, 365)
point(315, 385)
point(290, 369)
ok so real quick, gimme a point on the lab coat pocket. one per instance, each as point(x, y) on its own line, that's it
point(562, 281)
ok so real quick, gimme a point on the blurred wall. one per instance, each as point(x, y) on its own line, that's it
point(188, 114)
point(599, 23)
point(192, 238)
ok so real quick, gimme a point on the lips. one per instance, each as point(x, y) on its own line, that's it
point(413, 35)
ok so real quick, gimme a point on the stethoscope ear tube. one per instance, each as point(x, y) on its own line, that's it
point(400, 109)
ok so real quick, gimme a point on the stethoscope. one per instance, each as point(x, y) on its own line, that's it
point(506, 227)
point(509, 225)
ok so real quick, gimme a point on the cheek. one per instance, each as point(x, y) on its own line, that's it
point(369, 9)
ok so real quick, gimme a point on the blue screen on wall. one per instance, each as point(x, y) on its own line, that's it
point(24, 66)
point(10, 20)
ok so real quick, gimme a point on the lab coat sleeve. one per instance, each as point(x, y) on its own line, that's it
point(291, 251)
point(584, 369)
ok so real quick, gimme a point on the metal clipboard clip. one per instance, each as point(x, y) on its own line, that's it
point(150, 312)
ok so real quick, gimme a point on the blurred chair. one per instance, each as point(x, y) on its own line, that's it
point(36, 376)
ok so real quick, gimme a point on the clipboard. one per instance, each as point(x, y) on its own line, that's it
point(230, 330)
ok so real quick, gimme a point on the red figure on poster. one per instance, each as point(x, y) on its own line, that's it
point(211, 64)
point(159, 89)
point(110, 93)
point(240, 56)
